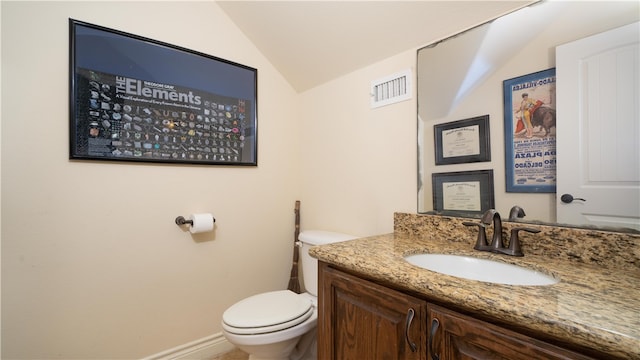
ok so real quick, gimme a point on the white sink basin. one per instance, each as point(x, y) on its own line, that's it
point(480, 269)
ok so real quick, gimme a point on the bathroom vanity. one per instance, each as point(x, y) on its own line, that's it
point(374, 304)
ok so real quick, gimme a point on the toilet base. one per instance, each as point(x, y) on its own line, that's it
point(278, 351)
point(307, 347)
point(299, 348)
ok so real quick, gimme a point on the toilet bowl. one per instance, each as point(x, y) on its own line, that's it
point(270, 325)
point(281, 325)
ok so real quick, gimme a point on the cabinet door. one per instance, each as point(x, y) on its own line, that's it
point(359, 319)
point(456, 336)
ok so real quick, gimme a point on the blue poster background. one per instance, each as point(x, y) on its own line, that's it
point(138, 99)
point(131, 56)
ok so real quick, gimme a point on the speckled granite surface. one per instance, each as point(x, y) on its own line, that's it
point(605, 248)
point(596, 304)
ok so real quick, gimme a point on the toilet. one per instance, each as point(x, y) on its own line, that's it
point(281, 325)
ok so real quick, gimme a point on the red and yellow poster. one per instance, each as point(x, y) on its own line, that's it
point(530, 132)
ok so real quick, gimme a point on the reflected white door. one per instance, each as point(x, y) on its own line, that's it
point(598, 130)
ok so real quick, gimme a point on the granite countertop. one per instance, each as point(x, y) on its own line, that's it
point(592, 306)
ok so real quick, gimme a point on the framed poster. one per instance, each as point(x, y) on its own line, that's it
point(530, 132)
point(137, 99)
point(465, 192)
point(463, 141)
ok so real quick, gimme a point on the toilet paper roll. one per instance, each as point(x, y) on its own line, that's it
point(201, 223)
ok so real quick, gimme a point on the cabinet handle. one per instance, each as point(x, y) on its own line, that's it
point(410, 314)
point(434, 327)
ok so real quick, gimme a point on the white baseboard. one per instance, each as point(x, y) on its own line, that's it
point(201, 349)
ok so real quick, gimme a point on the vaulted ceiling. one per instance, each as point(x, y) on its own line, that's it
point(312, 42)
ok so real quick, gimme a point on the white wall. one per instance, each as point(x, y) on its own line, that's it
point(358, 164)
point(93, 265)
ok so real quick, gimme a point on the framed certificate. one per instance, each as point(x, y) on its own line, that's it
point(465, 192)
point(463, 141)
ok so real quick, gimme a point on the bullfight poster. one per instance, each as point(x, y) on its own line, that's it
point(530, 132)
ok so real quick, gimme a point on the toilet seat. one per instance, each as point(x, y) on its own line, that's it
point(267, 312)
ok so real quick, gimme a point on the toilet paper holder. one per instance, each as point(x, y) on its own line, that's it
point(180, 220)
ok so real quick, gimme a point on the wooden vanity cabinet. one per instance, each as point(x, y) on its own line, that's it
point(359, 319)
point(456, 336)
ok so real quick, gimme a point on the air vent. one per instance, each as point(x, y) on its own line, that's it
point(391, 89)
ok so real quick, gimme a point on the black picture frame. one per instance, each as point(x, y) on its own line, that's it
point(530, 154)
point(463, 141)
point(463, 192)
point(136, 99)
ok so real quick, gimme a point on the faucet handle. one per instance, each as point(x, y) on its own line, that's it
point(516, 212)
point(514, 242)
point(481, 242)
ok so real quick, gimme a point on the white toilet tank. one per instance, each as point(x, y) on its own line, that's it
point(311, 238)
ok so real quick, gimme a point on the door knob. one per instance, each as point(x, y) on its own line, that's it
point(568, 198)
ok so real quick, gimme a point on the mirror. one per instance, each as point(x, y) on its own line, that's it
point(461, 77)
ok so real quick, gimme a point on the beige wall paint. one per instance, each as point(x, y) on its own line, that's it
point(358, 164)
point(93, 265)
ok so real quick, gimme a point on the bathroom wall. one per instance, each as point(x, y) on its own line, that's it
point(358, 164)
point(93, 265)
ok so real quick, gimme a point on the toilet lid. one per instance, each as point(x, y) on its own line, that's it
point(271, 311)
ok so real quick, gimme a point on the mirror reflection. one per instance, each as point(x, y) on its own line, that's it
point(462, 78)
